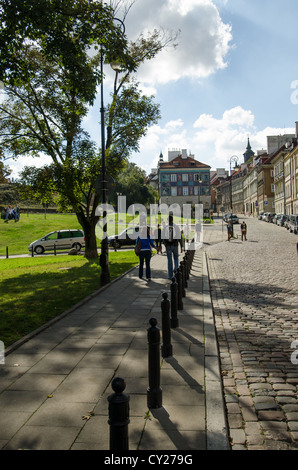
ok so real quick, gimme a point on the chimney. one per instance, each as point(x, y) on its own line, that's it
point(184, 154)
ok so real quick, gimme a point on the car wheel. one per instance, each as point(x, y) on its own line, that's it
point(117, 244)
point(77, 246)
point(39, 250)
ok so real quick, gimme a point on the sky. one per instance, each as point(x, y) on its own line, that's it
point(233, 75)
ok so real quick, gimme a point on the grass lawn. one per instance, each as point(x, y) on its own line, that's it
point(18, 235)
point(35, 290)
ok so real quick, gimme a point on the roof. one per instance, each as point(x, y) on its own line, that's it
point(180, 162)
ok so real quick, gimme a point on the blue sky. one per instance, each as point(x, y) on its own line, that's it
point(229, 78)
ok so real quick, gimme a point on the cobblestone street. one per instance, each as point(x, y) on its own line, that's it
point(254, 290)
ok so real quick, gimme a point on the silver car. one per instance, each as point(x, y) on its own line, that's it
point(59, 240)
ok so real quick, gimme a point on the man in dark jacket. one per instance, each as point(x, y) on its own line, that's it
point(171, 238)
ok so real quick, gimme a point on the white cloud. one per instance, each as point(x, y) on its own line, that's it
point(203, 43)
point(212, 140)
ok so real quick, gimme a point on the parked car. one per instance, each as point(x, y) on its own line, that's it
point(233, 218)
point(275, 218)
point(127, 237)
point(293, 224)
point(260, 216)
point(59, 240)
point(281, 220)
point(269, 216)
point(287, 221)
point(226, 216)
point(264, 216)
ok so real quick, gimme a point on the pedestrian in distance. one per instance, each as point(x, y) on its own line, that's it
point(171, 239)
point(16, 211)
point(9, 214)
point(243, 228)
point(157, 236)
point(146, 244)
point(230, 230)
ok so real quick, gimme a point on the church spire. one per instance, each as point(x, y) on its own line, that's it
point(249, 153)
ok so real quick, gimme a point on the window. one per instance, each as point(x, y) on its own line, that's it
point(185, 191)
point(52, 236)
point(174, 191)
point(197, 177)
point(173, 178)
point(65, 234)
point(185, 177)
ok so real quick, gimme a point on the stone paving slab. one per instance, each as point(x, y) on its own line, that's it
point(54, 386)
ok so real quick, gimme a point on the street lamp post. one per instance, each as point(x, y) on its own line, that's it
point(234, 159)
point(104, 256)
point(199, 190)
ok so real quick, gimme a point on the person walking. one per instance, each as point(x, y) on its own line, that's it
point(230, 230)
point(171, 238)
point(16, 211)
point(147, 244)
point(9, 214)
point(243, 228)
point(157, 236)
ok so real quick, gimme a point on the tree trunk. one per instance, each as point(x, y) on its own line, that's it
point(90, 236)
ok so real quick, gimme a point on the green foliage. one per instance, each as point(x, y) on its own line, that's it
point(64, 31)
point(130, 115)
point(131, 183)
point(49, 64)
point(8, 194)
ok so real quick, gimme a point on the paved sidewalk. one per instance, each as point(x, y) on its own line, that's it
point(54, 387)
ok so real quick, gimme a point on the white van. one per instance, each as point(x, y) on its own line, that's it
point(59, 240)
point(293, 223)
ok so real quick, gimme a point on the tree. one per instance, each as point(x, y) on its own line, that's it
point(131, 182)
point(41, 117)
point(5, 171)
point(50, 81)
point(65, 31)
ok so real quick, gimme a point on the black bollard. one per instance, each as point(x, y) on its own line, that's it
point(185, 272)
point(182, 279)
point(154, 392)
point(166, 347)
point(179, 289)
point(118, 416)
point(187, 264)
point(174, 303)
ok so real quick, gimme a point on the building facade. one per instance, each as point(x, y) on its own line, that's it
point(183, 180)
point(290, 164)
